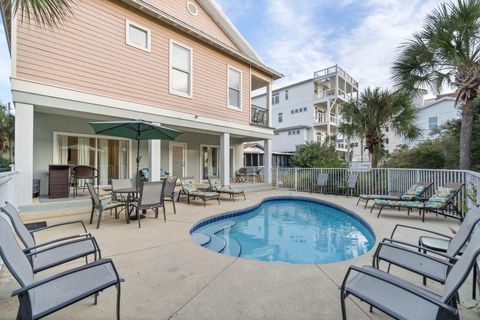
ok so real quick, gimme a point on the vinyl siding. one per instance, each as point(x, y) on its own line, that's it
point(88, 53)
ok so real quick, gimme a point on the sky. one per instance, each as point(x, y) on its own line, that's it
point(298, 37)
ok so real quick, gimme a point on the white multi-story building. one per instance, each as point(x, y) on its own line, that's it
point(309, 110)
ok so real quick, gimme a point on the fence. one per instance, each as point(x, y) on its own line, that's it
point(7, 192)
point(382, 180)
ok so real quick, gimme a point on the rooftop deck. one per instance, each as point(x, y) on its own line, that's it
point(168, 276)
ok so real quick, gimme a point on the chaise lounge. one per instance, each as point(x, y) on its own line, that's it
point(189, 189)
point(216, 185)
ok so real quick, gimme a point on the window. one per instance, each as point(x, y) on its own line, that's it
point(432, 122)
point(275, 98)
point(289, 133)
point(234, 88)
point(192, 8)
point(296, 110)
point(280, 117)
point(298, 131)
point(286, 94)
point(277, 133)
point(387, 141)
point(292, 111)
point(137, 36)
point(180, 70)
point(304, 108)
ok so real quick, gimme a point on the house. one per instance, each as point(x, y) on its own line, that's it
point(309, 110)
point(178, 63)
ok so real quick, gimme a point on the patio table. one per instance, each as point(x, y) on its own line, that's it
point(132, 193)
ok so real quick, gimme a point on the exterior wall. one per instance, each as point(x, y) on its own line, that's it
point(202, 21)
point(78, 55)
point(283, 142)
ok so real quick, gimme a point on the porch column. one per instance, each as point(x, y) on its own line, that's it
point(154, 152)
point(329, 109)
point(225, 158)
point(24, 152)
point(269, 104)
point(267, 161)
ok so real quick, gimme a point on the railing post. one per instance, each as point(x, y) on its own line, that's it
point(276, 176)
point(417, 175)
point(296, 180)
point(389, 182)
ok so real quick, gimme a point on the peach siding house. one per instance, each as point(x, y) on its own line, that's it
point(174, 62)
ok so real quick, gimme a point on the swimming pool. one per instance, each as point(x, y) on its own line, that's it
point(289, 230)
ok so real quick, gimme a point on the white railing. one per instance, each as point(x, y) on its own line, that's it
point(383, 181)
point(322, 118)
point(7, 193)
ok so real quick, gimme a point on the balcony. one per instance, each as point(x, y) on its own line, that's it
point(258, 116)
point(323, 119)
point(333, 71)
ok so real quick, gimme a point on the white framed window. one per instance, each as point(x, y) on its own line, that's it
point(286, 94)
point(137, 36)
point(280, 117)
point(432, 122)
point(304, 108)
point(292, 111)
point(180, 69)
point(275, 97)
point(234, 87)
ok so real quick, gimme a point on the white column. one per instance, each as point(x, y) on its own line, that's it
point(225, 158)
point(24, 152)
point(269, 104)
point(238, 154)
point(267, 161)
point(154, 152)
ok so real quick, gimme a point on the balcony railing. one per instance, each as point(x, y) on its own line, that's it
point(324, 119)
point(384, 181)
point(258, 116)
point(335, 70)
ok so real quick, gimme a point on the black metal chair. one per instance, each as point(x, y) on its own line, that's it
point(168, 193)
point(39, 298)
point(349, 186)
point(101, 203)
point(322, 183)
point(85, 173)
point(150, 198)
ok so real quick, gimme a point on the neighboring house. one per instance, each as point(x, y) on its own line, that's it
point(253, 155)
point(309, 110)
point(178, 63)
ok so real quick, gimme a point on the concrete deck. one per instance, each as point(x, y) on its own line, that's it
point(167, 276)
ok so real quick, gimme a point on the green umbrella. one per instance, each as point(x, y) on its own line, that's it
point(136, 130)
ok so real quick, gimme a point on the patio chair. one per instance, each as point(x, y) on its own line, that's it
point(322, 183)
point(349, 186)
point(403, 300)
point(442, 202)
point(168, 193)
point(189, 189)
point(102, 203)
point(452, 246)
point(86, 173)
point(39, 298)
point(216, 185)
point(428, 263)
point(150, 198)
point(54, 252)
point(413, 193)
point(121, 184)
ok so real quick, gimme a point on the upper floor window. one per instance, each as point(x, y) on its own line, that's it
point(275, 97)
point(286, 94)
point(234, 88)
point(137, 36)
point(432, 122)
point(280, 117)
point(180, 69)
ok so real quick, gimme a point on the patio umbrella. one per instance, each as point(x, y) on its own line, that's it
point(136, 130)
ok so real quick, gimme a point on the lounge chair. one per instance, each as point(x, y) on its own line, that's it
point(426, 262)
point(150, 198)
point(401, 299)
point(439, 242)
point(412, 194)
point(55, 252)
point(168, 193)
point(440, 203)
point(39, 298)
point(349, 186)
point(216, 185)
point(189, 189)
point(102, 203)
point(322, 183)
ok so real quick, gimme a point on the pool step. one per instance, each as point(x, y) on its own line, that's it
point(200, 238)
point(216, 227)
point(216, 243)
point(232, 247)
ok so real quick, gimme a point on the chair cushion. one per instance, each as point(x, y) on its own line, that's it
point(378, 196)
point(46, 298)
point(396, 203)
point(112, 204)
point(67, 252)
point(228, 190)
point(188, 186)
point(442, 194)
point(203, 194)
point(414, 190)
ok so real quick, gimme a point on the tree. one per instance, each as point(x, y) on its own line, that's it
point(446, 52)
point(317, 155)
point(376, 110)
point(7, 125)
point(46, 12)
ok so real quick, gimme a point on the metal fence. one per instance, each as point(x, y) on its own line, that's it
point(382, 180)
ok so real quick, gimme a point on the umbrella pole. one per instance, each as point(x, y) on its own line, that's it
point(138, 164)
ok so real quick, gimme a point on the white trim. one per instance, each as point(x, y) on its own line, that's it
point(170, 161)
point(27, 91)
point(190, 85)
point(232, 161)
point(189, 11)
point(129, 23)
point(13, 42)
point(228, 89)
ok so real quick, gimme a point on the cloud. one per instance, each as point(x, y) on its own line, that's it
point(5, 93)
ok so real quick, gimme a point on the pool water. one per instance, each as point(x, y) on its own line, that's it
point(290, 231)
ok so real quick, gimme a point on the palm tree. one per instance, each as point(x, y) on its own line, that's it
point(446, 52)
point(46, 12)
point(375, 110)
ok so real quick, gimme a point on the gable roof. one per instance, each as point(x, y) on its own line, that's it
point(246, 54)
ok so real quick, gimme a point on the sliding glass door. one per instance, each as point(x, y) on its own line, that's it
point(109, 156)
point(210, 161)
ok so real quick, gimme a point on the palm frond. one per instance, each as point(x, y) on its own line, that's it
point(46, 12)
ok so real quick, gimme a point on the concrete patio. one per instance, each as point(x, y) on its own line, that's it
point(168, 276)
